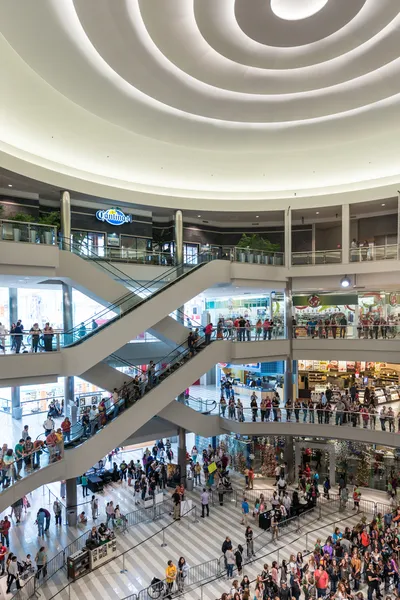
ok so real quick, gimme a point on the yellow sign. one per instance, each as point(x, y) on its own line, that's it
point(212, 467)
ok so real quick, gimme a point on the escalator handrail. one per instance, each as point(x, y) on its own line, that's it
point(123, 276)
point(79, 428)
point(140, 302)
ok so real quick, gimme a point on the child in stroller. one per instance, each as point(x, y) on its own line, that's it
point(226, 480)
point(25, 567)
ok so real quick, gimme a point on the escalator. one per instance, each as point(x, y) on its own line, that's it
point(171, 377)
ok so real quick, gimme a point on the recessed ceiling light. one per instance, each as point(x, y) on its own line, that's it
point(257, 216)
point(10, 185)
point(198, 216)
point(317, 213)
point(383, 204)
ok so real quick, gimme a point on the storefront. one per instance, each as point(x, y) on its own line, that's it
point(35, 399)
point(312, 310)
point(315, 375)
point(249, 306)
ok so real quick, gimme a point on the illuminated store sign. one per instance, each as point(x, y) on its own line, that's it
point(113, 216)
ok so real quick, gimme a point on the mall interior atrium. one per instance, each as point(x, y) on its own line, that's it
point(200, 299)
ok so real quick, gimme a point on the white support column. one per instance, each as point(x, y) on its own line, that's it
point(398, 226)
point(288, 237)
point(345, 233)
point(313, 243)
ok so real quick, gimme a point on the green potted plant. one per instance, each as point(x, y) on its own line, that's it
point(23, 218)
point(256, 248)
point(54, 220)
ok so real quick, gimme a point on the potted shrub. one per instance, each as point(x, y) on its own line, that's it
point(54, 219)
point(23, 218)
point(257, 249)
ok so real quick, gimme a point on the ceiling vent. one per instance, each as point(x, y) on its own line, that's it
point(205, 221)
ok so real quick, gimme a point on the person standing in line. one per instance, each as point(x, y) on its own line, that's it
point(57, 509)
point(48, 425)
point(25, 433)
point(84, 483)
point(13, 575)
point(94, 505)
point(66, 429)
point(170, 575)
point(205, 498)
point(3, 552)
point(245, 512)
point(41, 562)
point(182, 572)
point(230, 563)
point(5, 525)
point(176, 499)
point(110, 513)
point(249, 541)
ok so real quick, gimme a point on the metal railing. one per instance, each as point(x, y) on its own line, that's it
point(317, 257)
point(334, 330)
point(372, 253)
point(31, 233)
point(313, 415)
point(59, 561)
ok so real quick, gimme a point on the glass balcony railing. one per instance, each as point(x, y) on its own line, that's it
point(318, 257)
point(31, 233)
point(371, 252)
point(25, 343)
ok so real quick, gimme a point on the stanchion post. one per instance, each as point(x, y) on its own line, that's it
point(123, 570)
point(163, 545)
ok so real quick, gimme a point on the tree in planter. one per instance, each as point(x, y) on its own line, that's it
point(256, 242)
point(52, 218)
point(23, 218)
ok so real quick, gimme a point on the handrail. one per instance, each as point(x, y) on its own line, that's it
point(162, 530)
point(262, 558)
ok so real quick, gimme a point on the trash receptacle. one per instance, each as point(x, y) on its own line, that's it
point(71, 517)
point(189, 484)
point(17, 413)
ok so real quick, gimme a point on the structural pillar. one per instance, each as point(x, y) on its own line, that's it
point(182, 453)
point(72, 501)
point(398, 225)
point(288, 457)
point(69, 386)
point(345, 234)
point(65, 210)
point(178, 238)
point(288, 375)
point(313, 245)
point(15, 391)
point(288, 237)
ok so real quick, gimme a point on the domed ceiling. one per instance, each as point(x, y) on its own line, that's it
point(228, 104)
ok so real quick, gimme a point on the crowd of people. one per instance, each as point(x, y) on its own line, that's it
point(349, 563)
point(347, 409)
point(336, 326)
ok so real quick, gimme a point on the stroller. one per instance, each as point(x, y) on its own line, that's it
point(25, 570)
point(226, 481)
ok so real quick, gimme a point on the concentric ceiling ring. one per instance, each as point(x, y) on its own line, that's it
point(222, 86)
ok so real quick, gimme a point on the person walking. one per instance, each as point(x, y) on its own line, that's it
point(17, 508)
point(84, 483)
point(13, 575)
point(40, 518)
point(205, 498)
point(57, 509)
point(110, 513)
point(41, 563)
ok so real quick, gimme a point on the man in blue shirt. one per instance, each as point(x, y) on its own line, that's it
point(245, 512)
